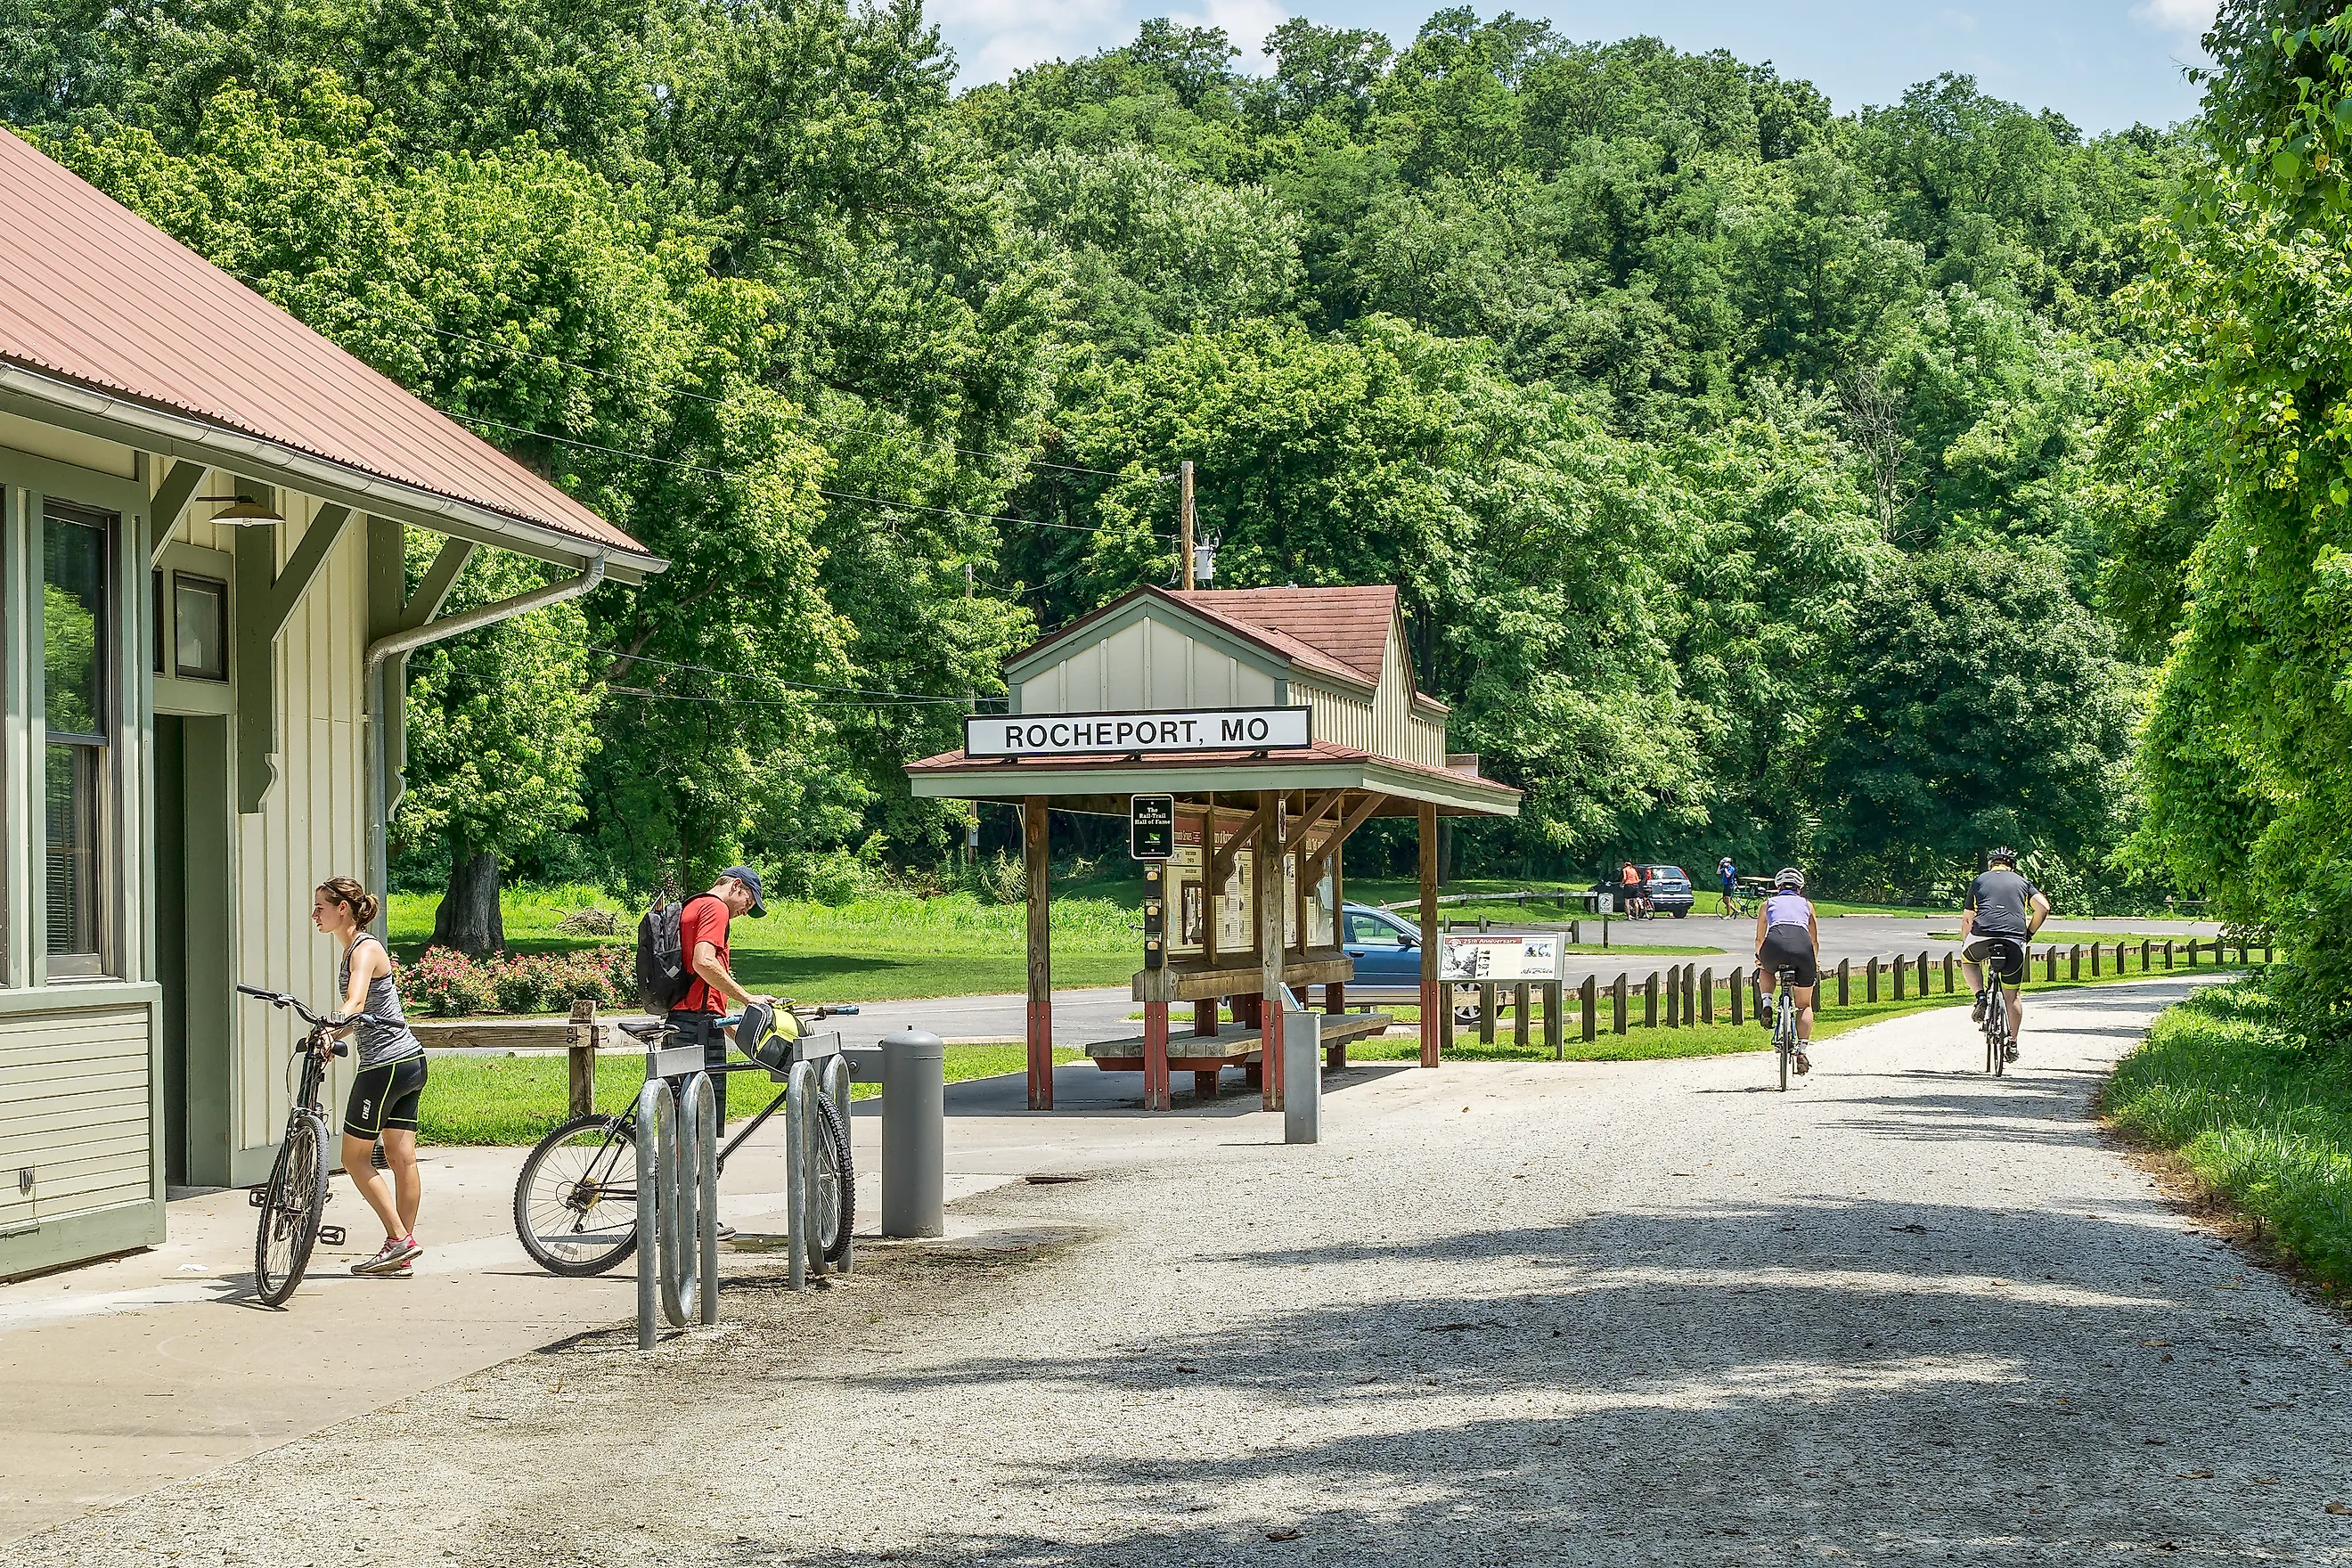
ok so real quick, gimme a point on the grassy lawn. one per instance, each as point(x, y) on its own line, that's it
point(517, 1099)
point(2103, 937)
point(2264, 1123)
point(875, 949)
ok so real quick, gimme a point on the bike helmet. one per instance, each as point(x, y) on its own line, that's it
point(1788, 876)
point(2004, 855)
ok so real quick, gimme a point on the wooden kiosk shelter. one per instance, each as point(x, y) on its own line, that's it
point(1281, 720)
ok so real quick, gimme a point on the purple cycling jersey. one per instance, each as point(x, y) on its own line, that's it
point(1786, 909)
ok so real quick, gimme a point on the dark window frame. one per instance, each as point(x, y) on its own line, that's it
point(96, 813)
point(219, 588)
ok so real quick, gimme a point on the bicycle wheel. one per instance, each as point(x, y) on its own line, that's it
point(1998, 1034)
point(292, 1206)
point(836, 1183)
point(575, 1204)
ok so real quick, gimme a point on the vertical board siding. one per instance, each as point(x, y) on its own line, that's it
point(76, 1108)
point(1396, 730)
point(1144, 665)
point(309, 828)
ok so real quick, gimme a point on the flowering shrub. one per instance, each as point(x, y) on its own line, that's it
point(448, 985)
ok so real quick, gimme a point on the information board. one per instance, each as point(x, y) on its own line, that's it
point(1509, 957)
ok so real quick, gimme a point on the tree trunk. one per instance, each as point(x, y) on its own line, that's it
point(468, 918)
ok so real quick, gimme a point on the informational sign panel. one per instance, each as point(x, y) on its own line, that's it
point(1151, 827)
point(1197, 906)
point(1505, 956)
point(1137, 734)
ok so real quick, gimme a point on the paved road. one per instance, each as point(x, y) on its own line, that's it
point(1599, 1313)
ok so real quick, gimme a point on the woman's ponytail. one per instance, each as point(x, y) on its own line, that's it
point(365, 906)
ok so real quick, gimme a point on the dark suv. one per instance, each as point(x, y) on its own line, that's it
point(1667, 888)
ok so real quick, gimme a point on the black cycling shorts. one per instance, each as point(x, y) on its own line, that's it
point(383, 1098)
point(2003, 956)
point(1788, 947)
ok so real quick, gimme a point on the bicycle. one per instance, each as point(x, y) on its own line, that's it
point(1997, 1042)
point(575, 1202)
point(1785, 1043)
point(293, 1202)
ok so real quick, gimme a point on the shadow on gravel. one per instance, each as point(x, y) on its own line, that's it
point(1884, 1380)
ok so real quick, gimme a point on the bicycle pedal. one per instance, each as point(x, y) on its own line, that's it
point(257, 1198)
point(332, 1235)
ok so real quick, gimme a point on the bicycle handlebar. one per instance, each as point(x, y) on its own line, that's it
point(283, 1000)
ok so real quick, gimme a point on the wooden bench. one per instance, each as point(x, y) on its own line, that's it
point(1196, 980)
point(1235, 1044)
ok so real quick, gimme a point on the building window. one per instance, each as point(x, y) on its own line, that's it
point(76, 631)
point(199, 626)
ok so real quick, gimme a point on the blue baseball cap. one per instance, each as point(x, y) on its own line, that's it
point(749, 878)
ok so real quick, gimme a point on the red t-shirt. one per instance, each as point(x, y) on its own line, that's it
point(704, 919)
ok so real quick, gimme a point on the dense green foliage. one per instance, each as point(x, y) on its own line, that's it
point(1748, 468)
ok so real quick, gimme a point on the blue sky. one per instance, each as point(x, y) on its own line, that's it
point(2104, 64)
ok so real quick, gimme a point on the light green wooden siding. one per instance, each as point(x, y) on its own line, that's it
point(76, 1104)
point(1146, 664)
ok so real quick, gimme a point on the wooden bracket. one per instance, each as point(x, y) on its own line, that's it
point(172, 497)
point(1220, 862)
point(1314, 814)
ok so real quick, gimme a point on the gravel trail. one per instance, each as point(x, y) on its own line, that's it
point(1607, 1313)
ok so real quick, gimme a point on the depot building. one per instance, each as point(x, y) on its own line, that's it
point(204, 615)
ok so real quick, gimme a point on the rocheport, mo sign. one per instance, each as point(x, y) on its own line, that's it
point(1129, 734)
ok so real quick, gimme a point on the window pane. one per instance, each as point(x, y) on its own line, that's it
point(73, 816)
point(199, 617)
point(73, 620)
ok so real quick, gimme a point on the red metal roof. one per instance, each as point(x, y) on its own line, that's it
point(1345, 627)
point(93, 293)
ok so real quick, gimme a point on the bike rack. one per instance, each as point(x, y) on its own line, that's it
point(678, 1181)
point(818, 1064)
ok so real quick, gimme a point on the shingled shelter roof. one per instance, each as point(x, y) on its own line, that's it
point(110, 325)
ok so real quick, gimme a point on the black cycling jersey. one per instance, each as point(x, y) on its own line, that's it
point(2003, 902)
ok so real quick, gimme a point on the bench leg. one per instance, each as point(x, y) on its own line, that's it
point(1204, 1085)
point(1335, 1055)
point(1253, 1073)
point(1204, 1017)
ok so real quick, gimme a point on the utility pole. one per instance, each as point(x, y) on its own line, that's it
point(1184, 525)
point(970, 705)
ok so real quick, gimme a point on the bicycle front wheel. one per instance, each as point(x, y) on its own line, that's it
point(292, 1206)
point(837, 1184)
point(575, 1204)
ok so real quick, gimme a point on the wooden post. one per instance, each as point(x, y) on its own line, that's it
point(583, 1042)
point(1706, 995)
point(1485, 1011)
point(2145, 954)
point(1952, 964)
point(1033, 831)
point(1618, 992)
point(1434, 1012)
point(1519, 999)
point(1158, 1095)
point(1554, 1027)
point(2192, 953)
point(1845, 997)
point(2075, 962)
point(1674, 995)
point(1266, 868)
point(1650, 1001)
point(1690, 992)
point(2095, 961)
point(1901, 969)
point(1871, 975)
point(1588, 994)
point(1922, 976)
point(1184, 523)
point(2119, 958)
point(2050, 964)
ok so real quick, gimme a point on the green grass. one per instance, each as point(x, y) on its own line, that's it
point(2268, 1125)
point(2104, 938)
point(517, 1099)
point(874, 949)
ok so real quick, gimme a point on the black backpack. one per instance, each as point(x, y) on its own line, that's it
point(663, 977)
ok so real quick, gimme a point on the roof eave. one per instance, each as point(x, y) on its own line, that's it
point(112, 416)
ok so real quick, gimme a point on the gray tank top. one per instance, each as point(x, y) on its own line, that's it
point(379, 1043)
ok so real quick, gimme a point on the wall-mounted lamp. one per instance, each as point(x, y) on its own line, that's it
point(242, 509)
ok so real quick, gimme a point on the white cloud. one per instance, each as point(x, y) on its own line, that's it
point(1021, 32)
point(2183, 18)
point(1245, 22)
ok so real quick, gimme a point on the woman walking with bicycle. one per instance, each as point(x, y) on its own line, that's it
point(1788, 937)
point(391, 1078)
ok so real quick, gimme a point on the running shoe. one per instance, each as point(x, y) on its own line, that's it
point(1976, 1013)
point(395, 1252)
point(1804, 1065)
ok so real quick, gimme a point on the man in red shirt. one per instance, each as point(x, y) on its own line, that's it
point(702, 933)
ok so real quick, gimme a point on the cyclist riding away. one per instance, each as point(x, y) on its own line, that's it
point(702, 934)
point(2003, 912)
point(391, 1078)
point(1788, 937)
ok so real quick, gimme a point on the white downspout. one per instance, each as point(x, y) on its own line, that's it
point(387, 647)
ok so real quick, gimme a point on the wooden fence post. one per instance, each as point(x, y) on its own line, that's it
point(1590, 995)
point(2192, 953)
point(1951, 963)
point(1485, 1010)
point(1739, 996)
point(2167, 956)
point(1650, 1001)
point(2050, 964)
point(1520, 1014)
point(1845, 996)
point(1618, 992)
point(2143, 950)
point(582, 1039)
point(1922, 974)
point(2119, 958)
point(2075, 962)
point(1555, 1032)
point(1870, 973)
point(1674, 995)
point(1706, 995)
point(1690, 993)
point(1902, 969)
point(2095, 961)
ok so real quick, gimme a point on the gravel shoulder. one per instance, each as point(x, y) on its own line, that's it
point(1593, 1313)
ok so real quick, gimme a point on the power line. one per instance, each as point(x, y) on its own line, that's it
point(659, 385)
point(728, 474)
point(763, 675)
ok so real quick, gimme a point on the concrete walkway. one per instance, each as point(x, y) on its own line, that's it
point(1599, 1313)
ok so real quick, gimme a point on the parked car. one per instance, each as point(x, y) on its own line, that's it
point(1668, 889)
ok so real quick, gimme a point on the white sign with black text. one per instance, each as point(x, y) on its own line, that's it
point(1139, 733)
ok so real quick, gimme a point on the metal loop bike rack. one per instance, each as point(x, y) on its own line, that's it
point(677, 1203)
point(812, 1072)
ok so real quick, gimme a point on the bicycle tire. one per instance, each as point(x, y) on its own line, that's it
point(292, 1207)
point(836, 1194)
point(548, 1197)
point(1997, 1016)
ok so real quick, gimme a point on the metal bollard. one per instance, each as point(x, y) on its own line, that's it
point(1302, 1083)
point(914, 1133)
